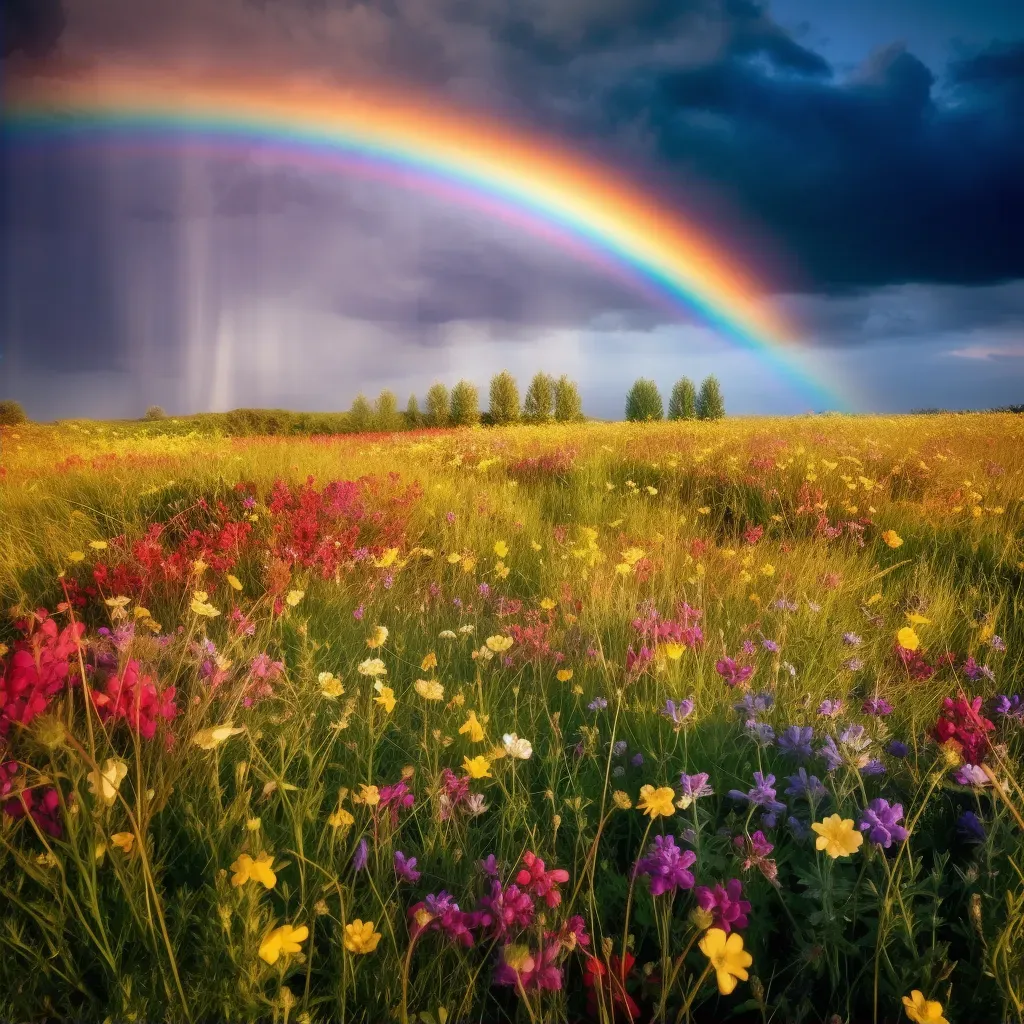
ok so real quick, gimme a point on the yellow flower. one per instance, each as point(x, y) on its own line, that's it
point(873, 599)
point(377, 638)
point(499, 643)
point(548, 603)
point(674, 651)
point(201, 606)
point(728, 958)
point(199, 567)
point(369, 795)
point(477, 767)
point(372, 667)
point(564, 675)
point(501, 549)
point(98, 545)
point(473, 727)
point(892, 538)
point(704, 510)
point(633, 555)
point(535, 545)
point(385, 697)
point(387, 559)
point(76, 556)
point(341, 818)
point(923, 1011)
point(454, 559)
point(294, 597)
point(622, 800)
point(208, 739)
point(330, 685)
point(657, 802)
point(429, 662)
point(117, 602)
point(917, 620)
point(285, 939)
point(837, 836)
point(908, 639)
point(767, 569)
point(259, 870)
point(429, 689)
point(234, 582)
point(123, 841)
point(360, 937)
point(106, 783)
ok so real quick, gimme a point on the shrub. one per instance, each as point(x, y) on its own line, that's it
point(385, 412)
point(710, 404)
point(438, 407)
point(683, 403)
point(11, 413)
point(412, 413)
point(643, 403)
point(361, 414)
point(539, 404)
point(568, 404)
point(504, 399)
point(465, 409)
point(156, 412)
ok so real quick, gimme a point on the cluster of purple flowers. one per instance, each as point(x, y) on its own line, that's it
point(667, 866)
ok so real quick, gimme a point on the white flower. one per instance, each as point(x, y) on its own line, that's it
point(465, 630)
point(516, 747)
point(372, 667)
point(106, 783)
point(475, 804)
point(447, 634)
point(208, 739)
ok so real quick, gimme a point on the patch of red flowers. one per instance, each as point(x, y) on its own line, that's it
point(133, 697)
point(606, 986)
point(962, 725)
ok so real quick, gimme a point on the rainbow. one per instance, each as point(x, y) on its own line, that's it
point(468, 158)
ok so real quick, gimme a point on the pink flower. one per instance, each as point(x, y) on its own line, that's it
point(541, 882)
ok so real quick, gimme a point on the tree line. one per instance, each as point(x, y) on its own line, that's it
point(644, 402)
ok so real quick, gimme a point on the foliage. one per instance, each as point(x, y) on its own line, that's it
point(413, 417)
point(385, 412)
point(614, 688)
point(539, 404)
point(11, 413)
point(465, 408)
point(361, 414)
point(682, 405)
point(568, 404)
point(156, 412)
point(504, 399)
point(710, 404)
point(643, 403)
point(438, 406)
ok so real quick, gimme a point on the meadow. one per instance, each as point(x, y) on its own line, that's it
point(608, 722)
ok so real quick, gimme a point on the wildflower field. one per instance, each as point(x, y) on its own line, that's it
point(603, 722)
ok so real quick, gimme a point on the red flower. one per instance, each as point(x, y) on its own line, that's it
point(610, 980)
point(540, 881)
point(962, 725)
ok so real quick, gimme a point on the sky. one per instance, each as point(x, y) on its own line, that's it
point(863, 160)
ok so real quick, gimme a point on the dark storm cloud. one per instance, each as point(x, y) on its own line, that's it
point(31, 27)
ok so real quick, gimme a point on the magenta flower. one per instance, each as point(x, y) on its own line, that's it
point(732, 673)
point(540, 881)
point(882, 822)
point(405, 868)
point(667, 866)
point(726, 903)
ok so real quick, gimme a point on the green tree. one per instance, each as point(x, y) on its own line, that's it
point(413, 419)
point(710, 404)
point(539, 404)
point(360, 416)
point(155, 412)
point(438, 407)
point(682, 405)
point(11, 413)
point(504, 399)
point(643, 402)
point(385, 412)
point(568, 404)
point(465, 404)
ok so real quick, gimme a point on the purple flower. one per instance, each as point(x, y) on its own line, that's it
point(405, 868)
point(637, 760)
point(449, 517)
point(755, 703)
point(897, 749)
point(796, 741)
point(694, 787)
point(597, 704)
point(389, 581)
point(761, 795)
point(873, 767)
point(881, 821)
point(761, 732)
point(677, 713)
point(770, 645)
point(726, 903)
point(619, 748)
point(1008, 707)
point(798, 828)
point(997, 643)
point(970, 828)
point(808, 786)
point(971, 669)
point(830, 708)
point(852, 640)
point(489, 865)
point(361, 855)
point(829, 753)
point(484, 589)
point(877, 706)
point(249, 502)
point(358, 614)
point(786, 606)
point(853, 664)
point(667, 866)
point(508, 909)
point(970, 775)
